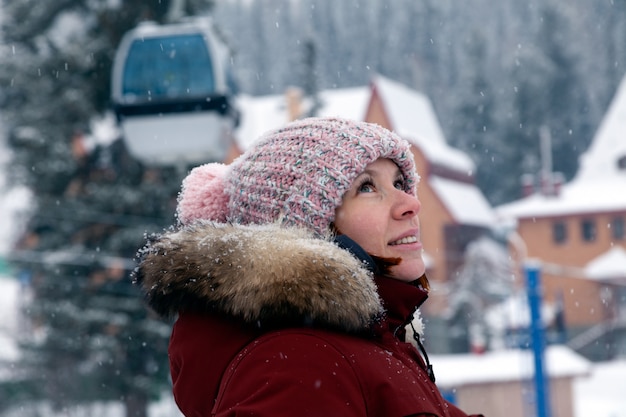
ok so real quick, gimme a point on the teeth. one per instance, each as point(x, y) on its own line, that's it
point(405, 240)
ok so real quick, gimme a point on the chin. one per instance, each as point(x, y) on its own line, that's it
point(409, 272)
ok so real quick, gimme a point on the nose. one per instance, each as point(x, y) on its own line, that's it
point(406, 205)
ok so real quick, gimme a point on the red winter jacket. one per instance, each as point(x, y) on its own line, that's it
point(273, 322)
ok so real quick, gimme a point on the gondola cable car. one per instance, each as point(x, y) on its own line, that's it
point(172, 92)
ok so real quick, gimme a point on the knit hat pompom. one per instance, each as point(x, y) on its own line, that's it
point(202, 195)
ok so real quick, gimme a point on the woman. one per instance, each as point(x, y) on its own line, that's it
point(294, 274)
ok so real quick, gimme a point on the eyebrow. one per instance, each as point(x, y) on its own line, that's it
point(370, 172)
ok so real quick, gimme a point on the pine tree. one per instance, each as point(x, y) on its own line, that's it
point(309, 76)
point(92, 338)
point(546, 96)
point(562, 104)
point(475, 115)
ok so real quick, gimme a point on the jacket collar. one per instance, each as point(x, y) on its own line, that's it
point(270, 276)
point(267, 275)
point(400, 300)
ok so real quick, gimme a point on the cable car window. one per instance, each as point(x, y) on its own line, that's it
point(168, 67)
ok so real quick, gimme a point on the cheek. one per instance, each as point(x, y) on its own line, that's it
point(350, 222)
point(362, 228)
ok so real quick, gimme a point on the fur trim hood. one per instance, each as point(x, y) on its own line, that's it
point(267, 275)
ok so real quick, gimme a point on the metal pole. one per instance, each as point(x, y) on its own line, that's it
point(542, 387)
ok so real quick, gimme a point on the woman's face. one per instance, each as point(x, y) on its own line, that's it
point(378, 215)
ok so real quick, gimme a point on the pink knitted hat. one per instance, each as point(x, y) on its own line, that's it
point(296, 175)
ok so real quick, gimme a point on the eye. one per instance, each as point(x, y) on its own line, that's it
point(366, 186)
point(399, 183)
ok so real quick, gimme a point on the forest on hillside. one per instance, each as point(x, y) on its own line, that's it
point(496, 72)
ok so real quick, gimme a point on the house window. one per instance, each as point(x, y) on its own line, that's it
point(617, 228)
point(559, 232)
point(588, 227)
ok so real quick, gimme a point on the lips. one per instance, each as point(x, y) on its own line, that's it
point(404, 241)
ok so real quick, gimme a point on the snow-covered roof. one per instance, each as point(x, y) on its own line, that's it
point(350, 103)
point(610, 266)
point(465, 201)
point(413, 117)
point(261, 114)
point(599, 184)
point(453, 371)
point(600, 161)
point(576, 197)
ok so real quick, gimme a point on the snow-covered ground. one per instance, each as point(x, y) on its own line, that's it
point(601, 394)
